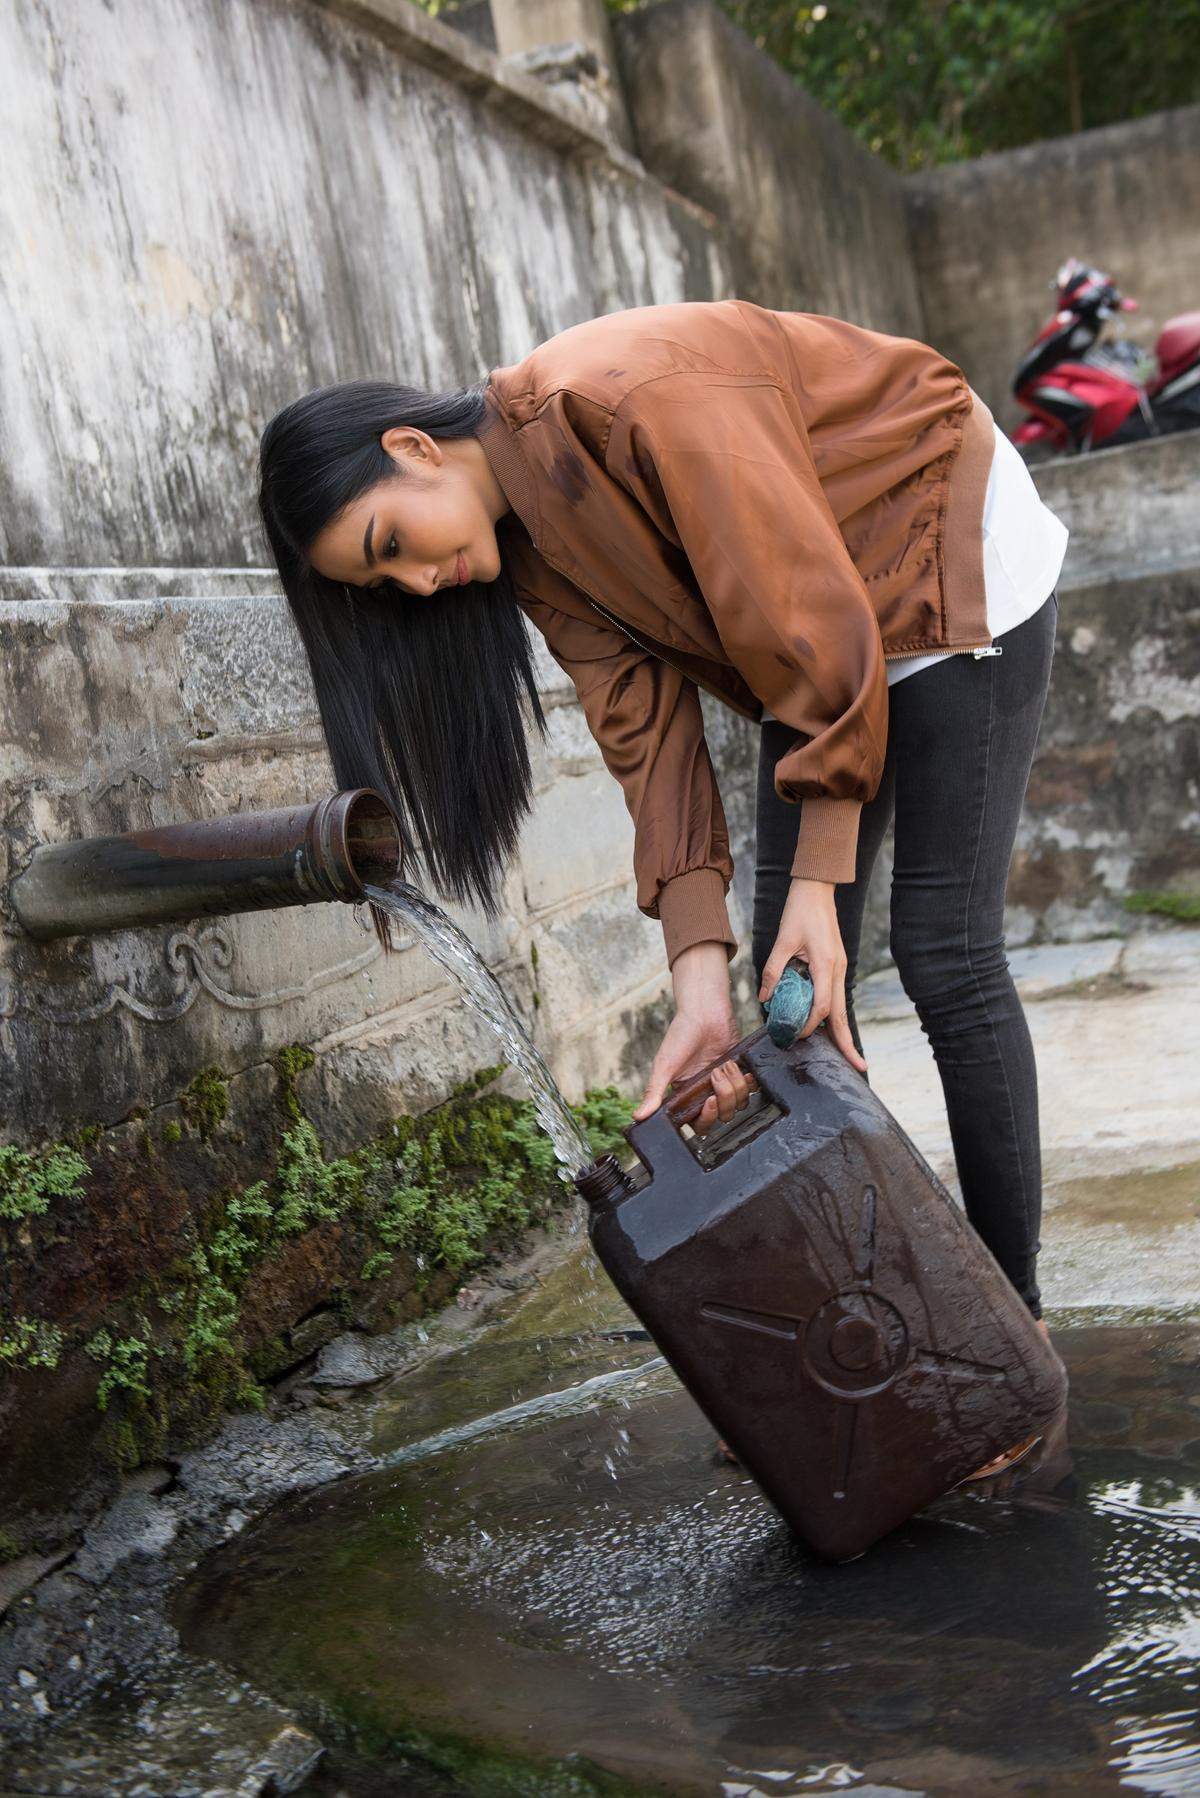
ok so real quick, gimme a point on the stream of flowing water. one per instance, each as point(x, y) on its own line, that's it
point(454, 951)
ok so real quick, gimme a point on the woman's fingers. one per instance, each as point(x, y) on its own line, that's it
point(772, 974)
point(839, 1029)
point(731, 1093)
point(829, 1008)
point(656, 1088)
point(828, 978)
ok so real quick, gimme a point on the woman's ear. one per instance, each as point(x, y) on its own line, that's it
point(411, 448)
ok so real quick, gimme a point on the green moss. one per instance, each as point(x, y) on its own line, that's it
point(291, 1062)
point(482, 1769)
point(121, 1447)
point(1184, 907)
point(10, 1548)
point(474, 1083)
point(172, 1131)
point(205, 1101)
point(27, 1342)
point(30, 1178)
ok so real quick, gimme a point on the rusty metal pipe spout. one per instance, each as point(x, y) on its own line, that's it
point(252, 861)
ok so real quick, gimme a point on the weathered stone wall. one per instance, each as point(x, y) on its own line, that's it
point(138, 711)
point(181, 254)
point(182, 251)
point(986, 237)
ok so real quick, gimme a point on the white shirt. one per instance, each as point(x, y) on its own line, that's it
point(1024, 544)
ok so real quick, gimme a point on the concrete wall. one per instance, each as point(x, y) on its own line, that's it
point(816, 223)
point(987, 236)
point(182, 252)
point(1113, 805)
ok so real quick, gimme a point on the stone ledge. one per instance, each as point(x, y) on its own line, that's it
point(484, 75)
point(34, 586)
point(1131, 510)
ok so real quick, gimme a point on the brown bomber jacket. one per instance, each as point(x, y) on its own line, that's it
point(762, 504)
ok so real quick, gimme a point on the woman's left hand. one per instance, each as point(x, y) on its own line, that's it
point(809, 928)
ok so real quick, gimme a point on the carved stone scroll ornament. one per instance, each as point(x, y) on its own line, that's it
point(199, 960)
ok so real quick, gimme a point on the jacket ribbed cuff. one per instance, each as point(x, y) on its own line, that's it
point(827, 843)
point(691, 909)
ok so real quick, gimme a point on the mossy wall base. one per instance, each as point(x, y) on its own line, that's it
point(157, 1274)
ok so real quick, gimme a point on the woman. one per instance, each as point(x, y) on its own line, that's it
point(817, 523)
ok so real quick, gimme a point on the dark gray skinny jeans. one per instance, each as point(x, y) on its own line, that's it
point(961, 738)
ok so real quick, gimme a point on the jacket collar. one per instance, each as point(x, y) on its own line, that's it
point(498, 441)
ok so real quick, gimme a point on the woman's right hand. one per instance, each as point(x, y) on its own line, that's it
point(701, 1030)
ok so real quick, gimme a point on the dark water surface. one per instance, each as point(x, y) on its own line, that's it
point(592, 1603)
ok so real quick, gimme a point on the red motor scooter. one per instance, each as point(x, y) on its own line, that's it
point(1084, 394)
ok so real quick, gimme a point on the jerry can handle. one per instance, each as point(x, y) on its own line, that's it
point(691, 1099)
point(786, 1011)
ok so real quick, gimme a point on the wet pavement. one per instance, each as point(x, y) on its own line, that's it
point(592, 1602)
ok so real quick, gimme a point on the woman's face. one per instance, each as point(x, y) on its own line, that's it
point(430, 527)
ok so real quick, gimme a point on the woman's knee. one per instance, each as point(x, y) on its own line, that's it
point(948, 968)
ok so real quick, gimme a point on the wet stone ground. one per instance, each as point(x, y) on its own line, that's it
point(497, 1556)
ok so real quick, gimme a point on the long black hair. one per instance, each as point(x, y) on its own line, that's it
point(424, 701)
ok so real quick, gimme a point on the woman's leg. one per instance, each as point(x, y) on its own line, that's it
point(776, 823)
point(962, 736)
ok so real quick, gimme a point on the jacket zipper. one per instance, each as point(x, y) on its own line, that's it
point(651, 648)
point(899, 655)
point(895, 655)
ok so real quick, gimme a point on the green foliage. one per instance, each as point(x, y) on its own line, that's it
point(29, 1342)
point(172, 1131)
point(205, 1101)
point(10, 1548)
point(458, 1176)
point(308, 1189)
point(938, 80)
point(126, 1362)
point(1185, 907)
point(30, 1178)
point(604, 1114)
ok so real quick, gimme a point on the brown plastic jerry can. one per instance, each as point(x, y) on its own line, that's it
point(822, 1297)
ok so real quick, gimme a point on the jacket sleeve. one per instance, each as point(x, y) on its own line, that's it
point(726, 468)
point(646, 719)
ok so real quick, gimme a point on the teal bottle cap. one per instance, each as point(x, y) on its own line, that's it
point(787, 1010)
